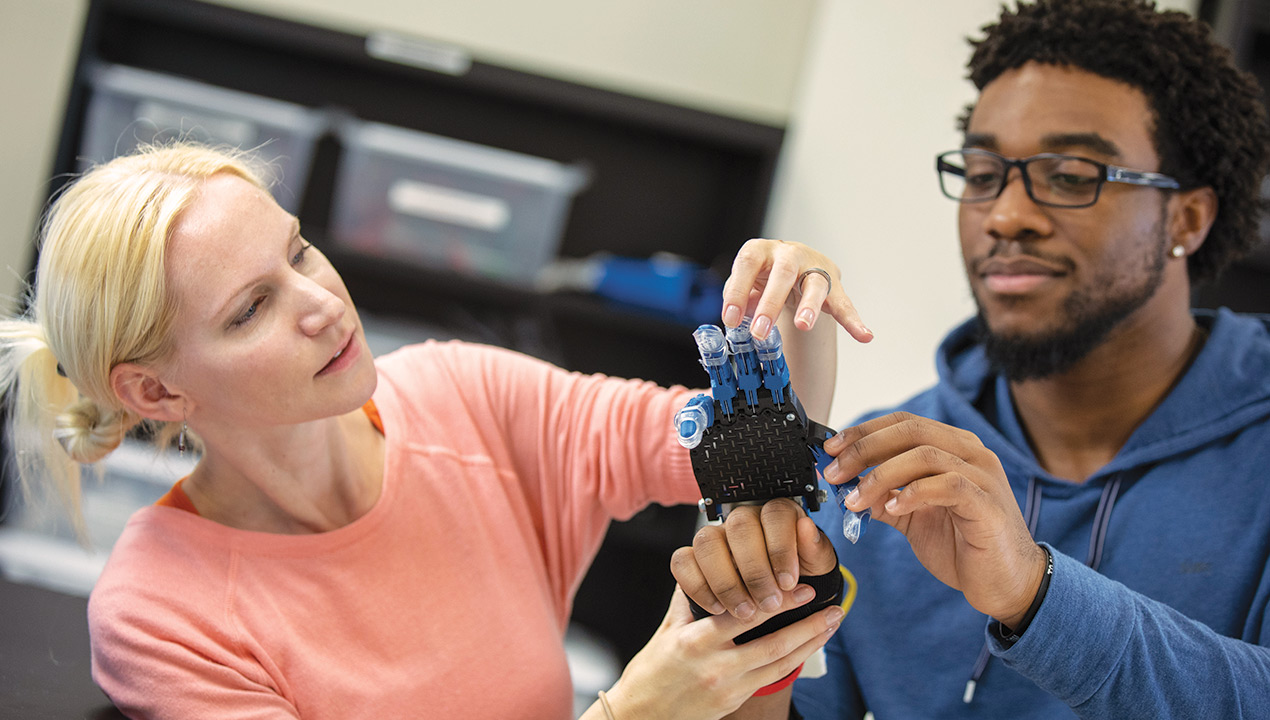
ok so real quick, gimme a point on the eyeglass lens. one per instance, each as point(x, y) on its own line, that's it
point(1059, 180)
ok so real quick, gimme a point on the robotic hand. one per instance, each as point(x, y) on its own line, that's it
point(752, 441)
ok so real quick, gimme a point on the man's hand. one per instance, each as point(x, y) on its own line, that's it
point(948, 494)
point(743, 565)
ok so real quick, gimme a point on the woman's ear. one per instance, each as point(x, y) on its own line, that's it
point(1193, 213)
point(141, 391)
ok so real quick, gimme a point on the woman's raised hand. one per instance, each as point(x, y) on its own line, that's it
point(769, 276)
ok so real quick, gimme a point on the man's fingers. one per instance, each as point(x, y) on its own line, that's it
point(816, 555)
point(780, 522)
point(900, 471)
point(692, 582)
point(881, 439)
point(714, 557)
point(949, 490)
point(730, 627)
point(748, 542)
point(848, 436)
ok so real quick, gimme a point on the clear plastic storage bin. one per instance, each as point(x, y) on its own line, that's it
point(447, 204)
point(128, 107)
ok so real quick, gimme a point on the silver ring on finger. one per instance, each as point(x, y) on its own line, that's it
point(819, 271)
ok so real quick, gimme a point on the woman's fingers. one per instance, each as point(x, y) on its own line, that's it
point(813, 290)
point(750, 261)
point(695, 669)
point(777, 654)
point(782, 274)
point(840, 308)
point(769, 276)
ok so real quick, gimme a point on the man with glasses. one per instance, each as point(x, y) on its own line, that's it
point(1080, 508)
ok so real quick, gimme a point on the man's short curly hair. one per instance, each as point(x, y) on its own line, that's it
point(1211, 127)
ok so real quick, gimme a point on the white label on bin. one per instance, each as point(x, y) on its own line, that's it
point(427, 54)
point(436, 202)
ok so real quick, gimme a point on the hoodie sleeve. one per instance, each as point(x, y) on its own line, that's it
point(1108, 651)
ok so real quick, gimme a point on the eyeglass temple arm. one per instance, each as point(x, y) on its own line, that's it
point(1133, 177)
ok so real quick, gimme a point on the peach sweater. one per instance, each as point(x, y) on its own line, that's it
point(448, 599)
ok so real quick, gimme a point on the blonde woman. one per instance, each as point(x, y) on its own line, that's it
point(384, 538)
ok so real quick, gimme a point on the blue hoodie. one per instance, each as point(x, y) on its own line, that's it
point(1172, 624)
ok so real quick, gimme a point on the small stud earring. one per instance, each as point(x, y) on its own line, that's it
point(1178, 251)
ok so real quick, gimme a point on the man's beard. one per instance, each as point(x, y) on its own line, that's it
point(1090, 318)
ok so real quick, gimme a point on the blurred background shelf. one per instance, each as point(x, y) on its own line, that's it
point(657, 178)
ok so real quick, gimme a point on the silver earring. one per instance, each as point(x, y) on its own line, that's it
point(1178, 251)
point(180, 440)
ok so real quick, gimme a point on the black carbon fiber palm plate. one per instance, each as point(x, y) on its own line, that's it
point(757, 456)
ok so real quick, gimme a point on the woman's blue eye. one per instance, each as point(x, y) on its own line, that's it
point(249, 313)
point(299, 256)
point(296, 260)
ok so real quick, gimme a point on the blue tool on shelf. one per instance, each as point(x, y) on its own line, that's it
point(665, 285)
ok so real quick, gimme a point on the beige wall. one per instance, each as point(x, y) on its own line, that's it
point(739, 57)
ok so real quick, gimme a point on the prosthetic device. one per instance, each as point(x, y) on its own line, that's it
point(751, 441)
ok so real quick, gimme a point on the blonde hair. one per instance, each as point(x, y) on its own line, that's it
point(99, 299)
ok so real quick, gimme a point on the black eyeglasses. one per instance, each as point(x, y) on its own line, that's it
point(1068, 181)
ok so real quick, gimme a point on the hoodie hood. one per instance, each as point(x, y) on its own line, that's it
point(1226, 388)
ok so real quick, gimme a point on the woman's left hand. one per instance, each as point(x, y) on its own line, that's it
point(693, 670)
